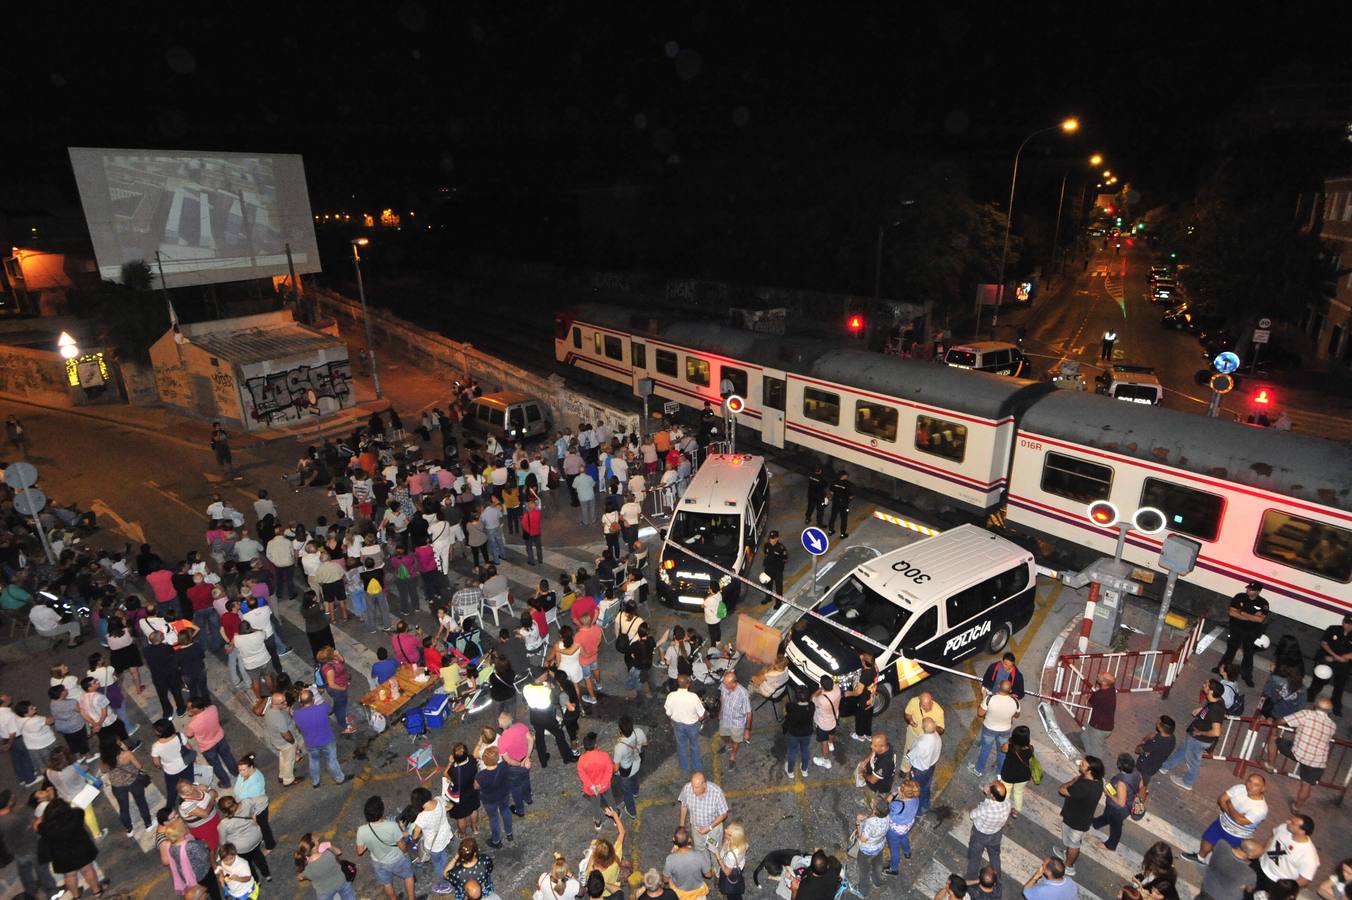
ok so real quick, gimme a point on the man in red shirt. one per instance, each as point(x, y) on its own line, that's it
point(595, 769)
point(161, 581)
point(589, 638)
point(532, 523)
point(204, 613)
point(229, 628)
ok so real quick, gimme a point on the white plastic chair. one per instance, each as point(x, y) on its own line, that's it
point(552, 618)
point(497, 602)
point(464, 609)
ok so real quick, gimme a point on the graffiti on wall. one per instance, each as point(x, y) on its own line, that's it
point(295, 394)
point(172, 382)
point(223, 392)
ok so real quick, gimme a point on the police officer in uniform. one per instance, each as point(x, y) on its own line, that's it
point(539, 696)
point(816, 493)
point(1248, 620)
point(776, 554)
point(1335, 651)
point(1109, 338)
point(841, 493)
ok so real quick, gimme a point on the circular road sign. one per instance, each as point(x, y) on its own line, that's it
point(20, 475)
point(1226, 362)
point(30, 502)
point(1264, 323)
point(1222, 383)
point(815, 540)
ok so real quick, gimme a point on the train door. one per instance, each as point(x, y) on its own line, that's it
point(772, 407)
point(638, 364)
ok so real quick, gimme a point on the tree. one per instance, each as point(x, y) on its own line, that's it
point(127, 315)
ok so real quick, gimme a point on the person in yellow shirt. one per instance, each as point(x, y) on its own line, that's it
point(921, 707)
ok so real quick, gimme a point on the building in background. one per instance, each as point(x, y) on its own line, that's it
point(253, 372)
point(1328, 320)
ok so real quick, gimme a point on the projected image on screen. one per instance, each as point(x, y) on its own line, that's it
point(199, 217)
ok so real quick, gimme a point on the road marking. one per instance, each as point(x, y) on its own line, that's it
point(1015, 861)
point(131, 530)
point(196, 513)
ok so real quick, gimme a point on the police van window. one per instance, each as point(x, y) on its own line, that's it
point(532, 412)
point(940, 437)
point(875, 419)
point(1186, 510)
point(483, 412)
point(738, 379)
point(1076, 479)
point(596, 341)
point(772, 392)
point(1314, 547)
point(865, 610)
point(495, 416)
point(666, 362)
point(516, 417)
point(638, 356)
point(924, 629)
point(1005, 585)
point(966, 604)
point(961, 358)
point(995, 359)
point(697, 370)
point(821, 406)
point(577, 337)
point(614, 347)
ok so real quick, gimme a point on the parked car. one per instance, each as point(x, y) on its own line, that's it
point(510, 415)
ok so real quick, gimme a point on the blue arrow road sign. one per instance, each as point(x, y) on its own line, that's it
point(815, 541)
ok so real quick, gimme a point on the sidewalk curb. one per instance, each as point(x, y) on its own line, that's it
point(111, 420)
point(1045, 710)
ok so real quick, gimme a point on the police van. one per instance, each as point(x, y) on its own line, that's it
point(938, 600)
point(723, 516)
point(996, 357)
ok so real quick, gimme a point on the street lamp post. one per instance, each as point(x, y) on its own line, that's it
point(1069, 126)
point(878, 260)
point(1094, 162)
point(365, 314)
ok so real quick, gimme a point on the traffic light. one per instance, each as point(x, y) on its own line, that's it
point(1103, 513)
point(1119, 221)
point(734, 404)
point(1262, 397)
point(855, 323)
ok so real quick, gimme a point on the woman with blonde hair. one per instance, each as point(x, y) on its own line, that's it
point(559, 883)
point(604, 857)
point(488, 737)
point(732, 861)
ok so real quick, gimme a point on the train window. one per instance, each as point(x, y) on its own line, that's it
point(614, 347)
point(738, 379)
point(1192, 512)
point(697, 370)
point(1314, 547)
point(772, 392)
point(577, 337)
point(638, 355)
point(821, 406)
point(875, 419)
point(596, 340)
point(941, 437)
point(1076, 479)
point(666, 362)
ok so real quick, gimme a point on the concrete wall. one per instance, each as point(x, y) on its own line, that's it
point(455, 360)
point(277, 393)
point(191, 386)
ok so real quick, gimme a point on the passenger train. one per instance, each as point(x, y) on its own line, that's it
point(1265, 505)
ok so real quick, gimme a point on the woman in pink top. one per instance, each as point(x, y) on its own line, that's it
point(406, 645)
point(204, 729)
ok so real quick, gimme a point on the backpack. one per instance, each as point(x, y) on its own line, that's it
point(373, 587)
point(377, 721)
point(1236, 708)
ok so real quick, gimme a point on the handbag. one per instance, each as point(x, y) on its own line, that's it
point(349, 869)
point(143, 779)
point(1035, 769)
point(622, 639)
point(732, 884)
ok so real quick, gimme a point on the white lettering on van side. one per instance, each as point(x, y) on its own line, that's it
point(971, 634)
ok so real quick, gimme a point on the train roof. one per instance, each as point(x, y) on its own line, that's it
point(774, 350)
point(1299, 466)
point(976, 393)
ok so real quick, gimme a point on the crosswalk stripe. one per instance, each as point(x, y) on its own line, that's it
point(1015, 861)
point(1124, 862)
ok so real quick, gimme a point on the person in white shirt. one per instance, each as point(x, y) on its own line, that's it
point(714, 611)
point(246, 548)
point(264, 507)
point(1290, 854)
point(631, 518)
point(37, 733)
point(825, 718)
point(922, 758)
point(686, 712)
point(47, 622)
point(282, 554)
point(1243, 807)
point(998, 712)
point(431, 827)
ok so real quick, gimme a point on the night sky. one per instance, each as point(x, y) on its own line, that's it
point(507, 103)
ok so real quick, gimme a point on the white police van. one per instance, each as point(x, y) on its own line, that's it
point(723, 516)
point(939, 600)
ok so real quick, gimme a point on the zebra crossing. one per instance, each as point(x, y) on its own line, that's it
point(1031, 838)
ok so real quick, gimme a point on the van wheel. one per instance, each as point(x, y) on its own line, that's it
point(882, 698)
point(999, 638)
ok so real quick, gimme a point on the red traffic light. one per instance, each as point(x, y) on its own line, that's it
point(1262, 397)
point(1103, 513)
point(855, 323)
point(734, 404)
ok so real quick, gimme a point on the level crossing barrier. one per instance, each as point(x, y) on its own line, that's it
point(1244, 741)
point(1135, 671)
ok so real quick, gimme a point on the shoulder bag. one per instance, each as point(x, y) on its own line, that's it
point(1035, 769)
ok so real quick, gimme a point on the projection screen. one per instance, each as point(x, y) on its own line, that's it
point(211, 217)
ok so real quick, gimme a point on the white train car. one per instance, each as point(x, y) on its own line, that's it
point(1268, 506)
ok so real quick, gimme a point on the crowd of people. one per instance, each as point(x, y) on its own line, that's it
point(410, 553)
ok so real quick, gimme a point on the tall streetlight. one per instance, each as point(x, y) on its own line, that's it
point(878, 260)
point(365, 314)
point(1068, 126)
point(1094, 162)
